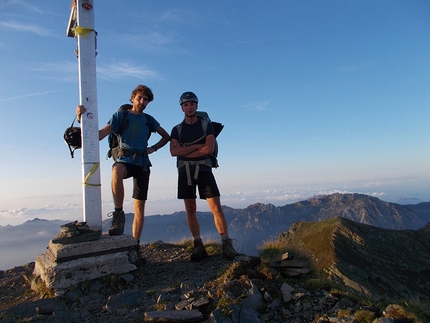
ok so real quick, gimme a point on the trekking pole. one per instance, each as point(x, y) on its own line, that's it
point(81, 26)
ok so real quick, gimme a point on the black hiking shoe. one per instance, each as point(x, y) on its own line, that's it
point(228, 251)
point(118, 222)
point(199, 251)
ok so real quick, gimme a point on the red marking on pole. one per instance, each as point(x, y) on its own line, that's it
point(87, 6)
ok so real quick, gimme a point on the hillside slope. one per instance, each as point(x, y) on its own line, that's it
point(372, 260)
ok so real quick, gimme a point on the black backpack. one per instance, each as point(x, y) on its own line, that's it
point(114, 139)
point(205, 121)
point(73, 138)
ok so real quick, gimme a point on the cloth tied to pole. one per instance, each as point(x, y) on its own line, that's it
point(90, 173)
point(82, 31)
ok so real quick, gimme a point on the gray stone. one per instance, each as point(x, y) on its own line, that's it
point(180, 306)
point(173, 316)
point(201, 302)
point(287, 288)
point(294, 263)
point(253, 299)
point(91, 260)
point(292, 272)
point(127, 278)
point(267, 297)
point(217, 317)
point(284, 256)
point(249, 315)
point(384, 320)
point(127, 298)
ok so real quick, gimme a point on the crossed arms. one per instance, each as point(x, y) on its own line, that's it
point(193, 151)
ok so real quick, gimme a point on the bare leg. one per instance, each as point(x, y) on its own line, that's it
point(139, 217)
point(118, 173)
point(193, 223)
point(228, 251)
point(219, 217)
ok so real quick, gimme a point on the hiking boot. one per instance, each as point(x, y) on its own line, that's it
point(118, 222)
point(228, 251)
point(199, 251)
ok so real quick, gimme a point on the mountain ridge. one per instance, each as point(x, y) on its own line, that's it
point(363, 278)
point(375, 261)
point(250, 227)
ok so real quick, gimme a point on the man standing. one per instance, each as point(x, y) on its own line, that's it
point(192, 147)
point(132, 160)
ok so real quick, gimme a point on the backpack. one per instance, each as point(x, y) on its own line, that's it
point(73, 138)
point(204, 117)
point(114, 139)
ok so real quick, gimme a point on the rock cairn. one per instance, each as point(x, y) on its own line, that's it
point(75, 232)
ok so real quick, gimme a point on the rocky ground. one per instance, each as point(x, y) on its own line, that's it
point(170, 288)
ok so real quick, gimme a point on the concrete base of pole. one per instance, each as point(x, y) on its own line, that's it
point(65, 265)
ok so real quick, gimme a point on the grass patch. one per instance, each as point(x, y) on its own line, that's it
point(39, 287)
point(224, 304)
point(213, 247)
point(364, 316)
point(270, 249)
point(418, 311)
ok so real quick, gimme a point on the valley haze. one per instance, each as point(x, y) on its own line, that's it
point(250, 226)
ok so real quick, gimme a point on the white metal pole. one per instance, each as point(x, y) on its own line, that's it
point(86, 35)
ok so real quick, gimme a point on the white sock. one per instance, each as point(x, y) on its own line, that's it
point(224, 237)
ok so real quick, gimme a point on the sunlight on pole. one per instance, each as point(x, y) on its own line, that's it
point(81, 26)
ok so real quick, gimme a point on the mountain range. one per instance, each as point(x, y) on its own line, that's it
point(249, 227)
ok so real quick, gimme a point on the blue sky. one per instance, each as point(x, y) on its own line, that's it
point(316, 97)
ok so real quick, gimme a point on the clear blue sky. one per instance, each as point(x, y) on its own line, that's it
point(316, 97)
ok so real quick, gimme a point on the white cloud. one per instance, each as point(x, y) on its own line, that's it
point(125, 70)
point(21, 27)
point(22, 4)
point(177, 16)
point(259, 106)
point(66, 71)
point(29, 95)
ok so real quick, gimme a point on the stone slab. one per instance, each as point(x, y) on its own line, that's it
point(106, 244)
point(174, 316)
point(59, 276)
point(65, 265)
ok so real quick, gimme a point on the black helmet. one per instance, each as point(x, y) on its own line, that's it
point(73, 138)
point(188, 97)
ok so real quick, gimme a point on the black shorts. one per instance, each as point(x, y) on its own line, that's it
point(140, 180)
point(205, 182)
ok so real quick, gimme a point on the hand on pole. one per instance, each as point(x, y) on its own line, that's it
point(80, 110)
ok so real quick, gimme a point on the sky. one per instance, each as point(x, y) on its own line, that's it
point(316, 97)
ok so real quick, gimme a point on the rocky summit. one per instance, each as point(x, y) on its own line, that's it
point(168, 287)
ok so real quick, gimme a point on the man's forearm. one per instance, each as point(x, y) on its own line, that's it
point(200, 152)
point(184, 151)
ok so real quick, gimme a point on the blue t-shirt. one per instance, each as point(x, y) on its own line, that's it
point(134, 138)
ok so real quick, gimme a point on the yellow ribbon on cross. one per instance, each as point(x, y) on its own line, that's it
point(90, 173)
point(82, 31)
